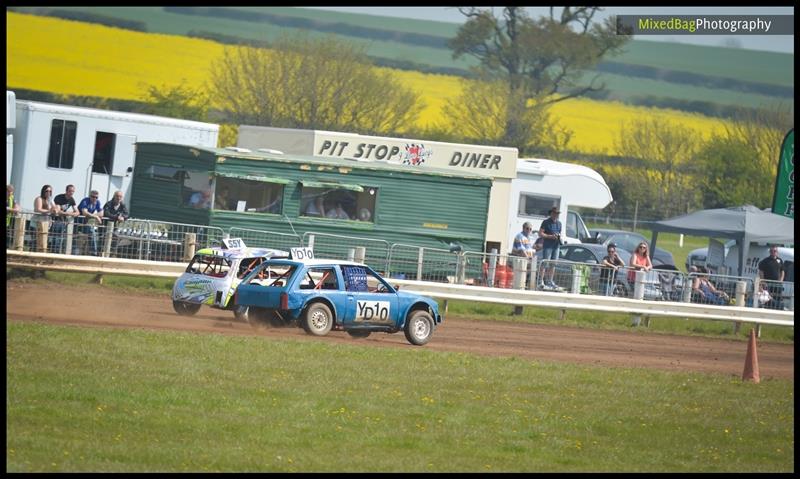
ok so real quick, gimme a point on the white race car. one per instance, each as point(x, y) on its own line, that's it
point(213, 275)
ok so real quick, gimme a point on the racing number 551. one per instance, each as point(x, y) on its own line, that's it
point(368, 310)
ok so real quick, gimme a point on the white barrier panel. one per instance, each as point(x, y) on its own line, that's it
point(610, 304)
point(91, 264)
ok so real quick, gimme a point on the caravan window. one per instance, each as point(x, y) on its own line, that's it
point(62, 144)
point(534, 205)
point(239, 194)
point(103, 152)
point(196, 188)
point(163, 172)
point(346, 202)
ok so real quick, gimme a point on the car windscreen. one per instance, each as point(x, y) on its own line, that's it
point(271, 274)
point(209, 265)
point(247, 265)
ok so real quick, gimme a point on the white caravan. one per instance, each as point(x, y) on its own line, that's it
point(90, 148)
point(541, 184)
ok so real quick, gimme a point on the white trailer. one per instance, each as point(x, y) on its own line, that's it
point(542, 184)
point(11, 119)
point(90, 148)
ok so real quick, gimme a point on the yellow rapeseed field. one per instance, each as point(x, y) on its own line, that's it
point(76, 58)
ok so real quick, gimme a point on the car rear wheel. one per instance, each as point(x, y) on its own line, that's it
point(241, 313)
point(317, 320)
point(185, 309)
point(419, 327)
point(358, 333)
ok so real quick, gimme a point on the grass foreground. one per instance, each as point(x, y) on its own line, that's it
point(95, 399)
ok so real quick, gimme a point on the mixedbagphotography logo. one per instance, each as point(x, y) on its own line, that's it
point(705, 24)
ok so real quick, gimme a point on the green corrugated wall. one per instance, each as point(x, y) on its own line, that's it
point(407, 199)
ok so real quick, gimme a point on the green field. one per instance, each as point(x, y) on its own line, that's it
point(729, 65)
point(112, 400)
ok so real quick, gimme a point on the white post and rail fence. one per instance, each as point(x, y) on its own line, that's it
point(445, 291)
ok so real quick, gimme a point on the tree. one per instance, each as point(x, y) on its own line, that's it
point(310, 83)
point(494, 100)
point(541, 61)
point(667, 151)
point(177, 101)
point(727, 173)
point(738, 166)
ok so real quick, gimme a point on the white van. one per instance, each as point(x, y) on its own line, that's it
point(541, 184)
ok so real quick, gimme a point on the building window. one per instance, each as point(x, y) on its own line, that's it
point(339, 203)
point(533, 205)
point(62, 144)
point(103, 152)
point(239, 194)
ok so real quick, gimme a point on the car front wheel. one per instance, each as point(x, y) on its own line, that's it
point(185, 309)
point(317, 320)
point(419, 327)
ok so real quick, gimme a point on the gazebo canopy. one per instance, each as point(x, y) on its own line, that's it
point(746, 224)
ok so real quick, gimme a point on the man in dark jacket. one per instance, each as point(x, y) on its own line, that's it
point(771, 269)
point(115, 209)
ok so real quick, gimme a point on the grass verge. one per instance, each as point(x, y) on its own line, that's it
point(93, 399)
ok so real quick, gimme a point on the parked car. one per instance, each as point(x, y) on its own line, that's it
point(212, 276)
point(628, 241)
point(321, 295)
point(593, 254)
point(588, 254)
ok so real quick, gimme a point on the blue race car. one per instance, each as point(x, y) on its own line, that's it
point(321, 295)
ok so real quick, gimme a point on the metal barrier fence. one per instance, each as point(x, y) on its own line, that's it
point(424, 264)
point(267, 239)
point(132, 239)
point(176, 242)
point(370, 251)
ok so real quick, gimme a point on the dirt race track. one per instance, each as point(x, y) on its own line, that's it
point(60, 304)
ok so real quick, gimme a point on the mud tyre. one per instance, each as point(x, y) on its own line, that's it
point(419, 327)
point(185, 309)
point(317, 320)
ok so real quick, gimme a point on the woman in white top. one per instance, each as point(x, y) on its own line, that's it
point(43, 208)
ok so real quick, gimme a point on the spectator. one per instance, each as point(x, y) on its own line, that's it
point(364, 214)
point(316, 207)
point(523, 244)
point(706, 292)
point(612, 263)
point(538, 244)
point(550, 231)
point(337, 213)
point(44, 208)
point(201, 200)
point(640, 261)
point(91, 217)
point(12, 209)
point(67, 208)
point(772, 270)
point(115, 210)
point(221, 199)
point(764, 298)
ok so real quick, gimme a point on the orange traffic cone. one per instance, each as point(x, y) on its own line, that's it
point(751, 361)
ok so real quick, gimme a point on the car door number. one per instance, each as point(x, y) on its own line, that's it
point(372, 311)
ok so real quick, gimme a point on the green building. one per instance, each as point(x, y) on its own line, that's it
point(271, 191)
